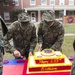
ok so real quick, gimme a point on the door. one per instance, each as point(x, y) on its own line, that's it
point(33, 16)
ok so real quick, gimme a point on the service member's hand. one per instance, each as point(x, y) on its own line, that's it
point(17, 53)
point(40, 47)
point(30, 54)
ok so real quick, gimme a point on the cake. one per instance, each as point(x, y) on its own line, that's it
point(48, 60)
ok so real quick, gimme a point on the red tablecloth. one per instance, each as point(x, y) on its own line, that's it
point(56, 73)
point(13, 70)
point(21, 69)
point(13, 67)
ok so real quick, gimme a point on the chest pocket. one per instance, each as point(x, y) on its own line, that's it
point(50, 35)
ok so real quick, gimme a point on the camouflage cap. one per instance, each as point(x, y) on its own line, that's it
point(48, 15)
point(24, 17)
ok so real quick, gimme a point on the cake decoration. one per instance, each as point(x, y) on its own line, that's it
point(48, 60)
point(48, 50)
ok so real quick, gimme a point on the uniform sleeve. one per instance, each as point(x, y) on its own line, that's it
point(7, 38)
point(1, 45)
point(11, 30)
point(33, 40)
point(40, 34)
point(60, 38)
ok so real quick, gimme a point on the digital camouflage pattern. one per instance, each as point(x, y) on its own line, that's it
point(73, 64)
point(3, 31)
point(1, 46)
point(48, 15)
point(24, 17)
point(51, 34)
point(24, 37)
point(1, 55)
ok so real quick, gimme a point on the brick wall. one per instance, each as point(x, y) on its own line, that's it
point(9, 9)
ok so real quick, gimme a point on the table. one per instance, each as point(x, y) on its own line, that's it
point(13, 68)
point(20, 68)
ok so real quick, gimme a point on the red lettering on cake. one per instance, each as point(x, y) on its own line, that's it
point(43, 62)
point(49, 61)
point(49, 68)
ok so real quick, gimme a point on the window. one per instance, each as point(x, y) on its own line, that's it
point(61, 2)
point(32, 2)
point(16, 2)
point(52, 2)
point(6, 16)
point(71, 2)
point(43, 2)
point(61, 14)
point(6, 3)
point(70, 13)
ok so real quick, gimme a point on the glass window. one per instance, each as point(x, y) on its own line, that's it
point(52, 2)
point(61, 2)
point(70, 13)
point(32, 2)
point(6, 3)
point(61, 14)
point(43, 2)
point(6, 16)
point(33, 15)
point(16, 2)
point(71, 2)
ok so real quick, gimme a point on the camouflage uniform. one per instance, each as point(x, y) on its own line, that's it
point(23, 33)
point(50, 32)
point(73, 63)
point(1, 52)
point(3, 31)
